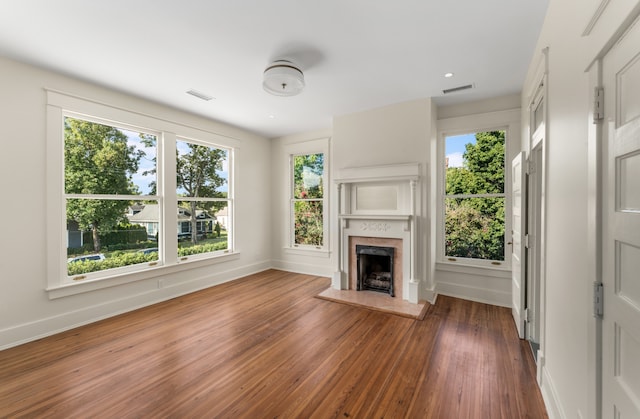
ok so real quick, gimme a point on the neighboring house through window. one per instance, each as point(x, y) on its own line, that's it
point(132, 198)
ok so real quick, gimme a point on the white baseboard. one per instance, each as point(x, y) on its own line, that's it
point(550, 396)
point(27, 332)
point(429, 295)
point(481, 295)
point(303, 268)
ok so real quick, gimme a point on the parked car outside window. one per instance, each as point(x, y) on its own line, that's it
point(83, 258)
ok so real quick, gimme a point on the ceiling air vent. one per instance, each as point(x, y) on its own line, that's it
point(457, 89)
point(200, 95)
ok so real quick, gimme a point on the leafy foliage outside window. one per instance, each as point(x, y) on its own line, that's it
point(474, 201)
point(112, 206)
point(308, 199)
point(202, 185)
point(103, 176)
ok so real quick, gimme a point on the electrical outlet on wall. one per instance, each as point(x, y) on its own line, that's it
point(160, 283)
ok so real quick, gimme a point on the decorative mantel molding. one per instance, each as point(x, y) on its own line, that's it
point(378, 222)
point(392, 217)
point(376, 217)
point(382, 173)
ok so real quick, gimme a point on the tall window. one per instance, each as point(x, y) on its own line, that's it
point(307, 201)
point(474, 197)
point(108, 171)
point(203, 194)
point(131, 199)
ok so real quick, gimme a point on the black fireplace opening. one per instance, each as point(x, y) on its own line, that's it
point(375, 268)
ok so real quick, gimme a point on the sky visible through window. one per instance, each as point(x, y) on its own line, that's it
point(143, 178)
point(183, 148)
point(455, 148)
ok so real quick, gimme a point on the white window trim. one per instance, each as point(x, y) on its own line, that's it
point(60, 104)
point(308, 147)
point(509, 121)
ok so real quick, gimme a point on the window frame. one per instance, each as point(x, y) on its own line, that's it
point(229, 200)
point(320, 146)
point(444, 197)
point(61, 105)
point(508, 121)
point(158, 197)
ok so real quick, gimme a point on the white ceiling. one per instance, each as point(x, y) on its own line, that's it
point(355, 54)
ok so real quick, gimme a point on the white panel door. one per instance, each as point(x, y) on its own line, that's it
point(621, 234)
point(518, 225)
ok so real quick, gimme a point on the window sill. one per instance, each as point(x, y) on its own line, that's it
point(503, 271)
point(307, 251)
point(74, 288)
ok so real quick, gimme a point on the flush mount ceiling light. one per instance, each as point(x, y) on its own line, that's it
point(283, 78)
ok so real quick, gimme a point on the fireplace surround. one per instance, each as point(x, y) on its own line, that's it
point(377, 208)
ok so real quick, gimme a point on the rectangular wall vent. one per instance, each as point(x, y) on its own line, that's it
point(199, 95)
point(457, 89)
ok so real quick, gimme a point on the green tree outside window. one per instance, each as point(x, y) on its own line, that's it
point(308, 199)
point(474, 203)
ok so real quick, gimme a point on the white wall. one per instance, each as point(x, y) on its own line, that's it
point(487, 285)
point(400, 133)
point(567, 371)
point(283, 257)
point(394, 134)
point(26, 311)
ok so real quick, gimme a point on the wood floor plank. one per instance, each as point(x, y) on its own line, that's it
point(263, 346)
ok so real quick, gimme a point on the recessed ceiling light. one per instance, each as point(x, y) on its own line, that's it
point(272, 116)
point(448, 75)
point(200, 95)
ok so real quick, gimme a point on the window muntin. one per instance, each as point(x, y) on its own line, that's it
point(60, 233)
point(307, 200)
point(474, 197)
point(107, 170)
point(202, 186)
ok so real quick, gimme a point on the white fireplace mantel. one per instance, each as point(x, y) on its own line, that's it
point(379, 201)
point(386, 173)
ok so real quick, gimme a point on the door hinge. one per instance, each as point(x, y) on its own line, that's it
point(598, 105)
point(527, 241)
point(598, 299)
point(526, 315)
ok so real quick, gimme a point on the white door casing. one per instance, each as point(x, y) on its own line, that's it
point(621, 229)
point(518, 225)
point(533, 248)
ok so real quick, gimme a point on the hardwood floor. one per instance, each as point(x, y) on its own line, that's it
point(264, 347)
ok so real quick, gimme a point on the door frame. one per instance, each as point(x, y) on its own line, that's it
point(595, 179)
point(533, 251)
point(519, 169)
point(539, 138)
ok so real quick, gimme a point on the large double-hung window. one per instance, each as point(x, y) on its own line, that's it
point(308, 200)
point(129, 193)
point(473, 198)
point(308, 196)
point(109, 173)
